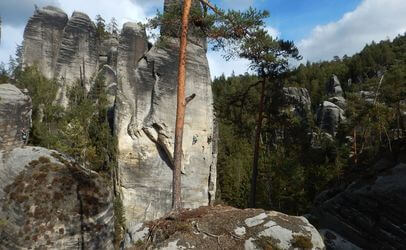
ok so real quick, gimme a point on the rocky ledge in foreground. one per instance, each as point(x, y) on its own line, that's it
point(225, 228)
point(49, 202)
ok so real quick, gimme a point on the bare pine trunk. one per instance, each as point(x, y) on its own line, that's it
point(256, 147)
point(180, 110)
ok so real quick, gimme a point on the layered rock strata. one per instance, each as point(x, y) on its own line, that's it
point(15, 117)
point(42, 39)
point(78, 54)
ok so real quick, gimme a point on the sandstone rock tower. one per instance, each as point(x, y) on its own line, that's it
point(141, 83)
point(145, 120)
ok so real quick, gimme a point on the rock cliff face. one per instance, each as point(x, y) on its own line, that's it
point(369, 213)
point(145, 119)
point(62, 48)
point(50, 202)
point(142, 92)
point(226, 228)
point(42, 39)
point(15, 117)
point(78, 54)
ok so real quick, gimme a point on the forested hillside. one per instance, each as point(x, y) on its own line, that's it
point(298, 159)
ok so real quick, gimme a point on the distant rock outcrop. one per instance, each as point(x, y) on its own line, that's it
point(329, 116)
point(333, 87)
point(331, 113)
point(226, 228)
point(15, 117)
point(298, 100)
point(50, 202)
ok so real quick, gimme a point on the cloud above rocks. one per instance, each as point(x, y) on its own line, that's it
point(15, 13)
point(372, 20)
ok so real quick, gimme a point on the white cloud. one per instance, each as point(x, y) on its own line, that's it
point(273, 32)
point(218, 65)
point(122, 10)
point(371, 20)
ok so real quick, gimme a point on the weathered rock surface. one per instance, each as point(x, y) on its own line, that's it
point(369, 213)
point(49, 202)
point(329, 116)
point(15, 117)
point(42, 39)
point(145, 119)
point(227, 228)
point(78, 55)
point(62, 48)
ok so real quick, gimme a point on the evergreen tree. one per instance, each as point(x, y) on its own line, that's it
point(112, 27)
point(101, 32)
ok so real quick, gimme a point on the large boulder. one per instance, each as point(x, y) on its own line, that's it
point(225, 228)
point(369, 213)
point(15, 117)
point(42, 39)
point(145, 119)
point(329, 116)
point(50, 202)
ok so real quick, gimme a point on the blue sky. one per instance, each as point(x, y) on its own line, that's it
point(320, 28)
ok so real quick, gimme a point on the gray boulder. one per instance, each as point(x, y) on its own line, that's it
point(329, 116)
point(50, 202)
point(15, 117)
point(144, 124)
point(42, 38)
point(226, 228)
